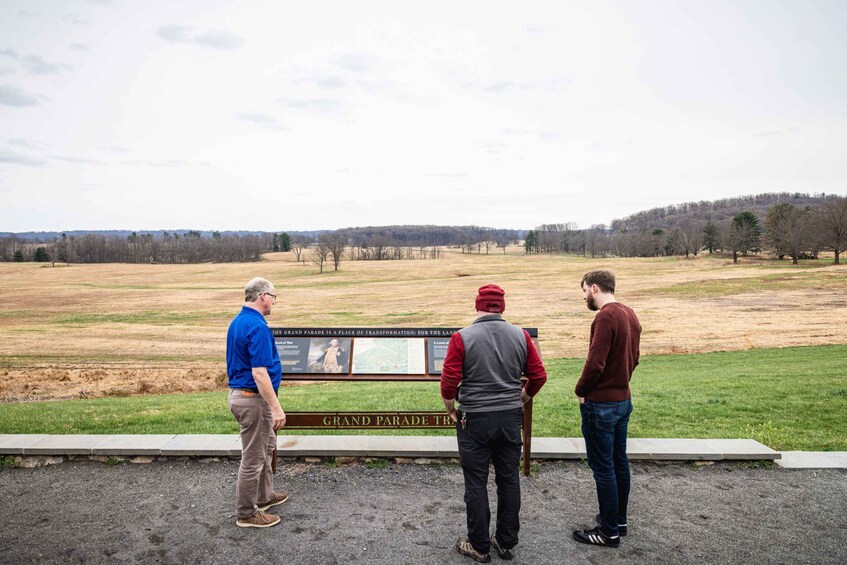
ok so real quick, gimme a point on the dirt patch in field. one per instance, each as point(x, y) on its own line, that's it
point(54, 381)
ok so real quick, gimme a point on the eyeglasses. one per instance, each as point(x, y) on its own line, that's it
point(273, 296)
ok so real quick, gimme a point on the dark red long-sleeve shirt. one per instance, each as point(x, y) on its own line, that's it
point(613, 354)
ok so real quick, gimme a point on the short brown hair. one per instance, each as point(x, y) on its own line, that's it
point(605, 280)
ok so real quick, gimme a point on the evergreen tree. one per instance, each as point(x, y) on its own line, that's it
point(710, 236)
point(531, 242)
point(41, 255)
point(745, 234)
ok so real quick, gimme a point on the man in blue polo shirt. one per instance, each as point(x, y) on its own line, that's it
point(254, 370)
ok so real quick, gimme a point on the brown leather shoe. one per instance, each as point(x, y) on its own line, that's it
point(258, 520)
point(277, 498)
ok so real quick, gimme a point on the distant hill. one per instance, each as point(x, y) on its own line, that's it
point(667, 217)
point(664, 217)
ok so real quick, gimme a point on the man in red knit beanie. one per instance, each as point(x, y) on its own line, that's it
point(605, 404)
point(491, 298)
point(482, 369)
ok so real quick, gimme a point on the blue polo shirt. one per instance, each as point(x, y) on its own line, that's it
point(250, 343)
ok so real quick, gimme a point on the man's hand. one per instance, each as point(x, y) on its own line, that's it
point(450, 406)
point(278, 417)
point(525, 397)
point(581, 399)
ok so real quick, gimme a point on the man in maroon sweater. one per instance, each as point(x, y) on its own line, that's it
point(483, 368)
point(605, 404)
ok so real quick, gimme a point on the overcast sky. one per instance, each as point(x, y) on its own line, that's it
point(273, 115)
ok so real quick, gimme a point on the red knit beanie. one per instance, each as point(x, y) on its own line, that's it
point(491, 299)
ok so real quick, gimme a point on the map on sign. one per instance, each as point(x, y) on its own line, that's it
point(389, 356)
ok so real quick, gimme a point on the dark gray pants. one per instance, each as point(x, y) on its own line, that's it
point(491, 437)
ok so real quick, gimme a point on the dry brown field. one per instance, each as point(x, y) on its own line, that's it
point(83, 331)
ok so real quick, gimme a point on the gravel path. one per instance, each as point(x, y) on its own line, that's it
point(182, 512)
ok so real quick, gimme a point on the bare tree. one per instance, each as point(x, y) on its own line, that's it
point(320, 252)
point(595, 240)
point(831, 220)
point(335, 243)
point(787, 230)
point(298, 244)
point(378, 248)
point(691, 237)
point(486, 238)
point(502, 239)
point(9, 246)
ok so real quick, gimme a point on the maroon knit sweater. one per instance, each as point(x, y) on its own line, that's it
point(613, 354)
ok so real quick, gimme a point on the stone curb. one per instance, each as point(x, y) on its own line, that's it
point(411, 447)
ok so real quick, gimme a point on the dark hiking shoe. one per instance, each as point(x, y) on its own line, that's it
point(277, 498)
point(504, 553)
point(258, 520)
point(464, 547)
point(595, 536)
point(621, 527)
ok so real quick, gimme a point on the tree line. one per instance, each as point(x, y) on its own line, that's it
point(191, 247)
point(788, 225)
point(384, 243)
point(784, 229)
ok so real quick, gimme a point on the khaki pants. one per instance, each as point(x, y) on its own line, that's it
point(258, 441)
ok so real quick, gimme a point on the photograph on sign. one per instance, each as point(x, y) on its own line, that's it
point(329, 355)
point(436, 352)
point(293, 354)
point(389, 356)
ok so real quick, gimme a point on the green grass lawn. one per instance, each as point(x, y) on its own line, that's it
point(788, 399)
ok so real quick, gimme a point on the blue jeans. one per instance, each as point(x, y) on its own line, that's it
point(491, 437)
point(604, 427)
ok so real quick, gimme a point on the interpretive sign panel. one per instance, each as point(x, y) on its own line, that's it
point(365, 354)
point(314, 355)
point(329, 355)
point(294, 354)
point(436, 352)
point(389, 356)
